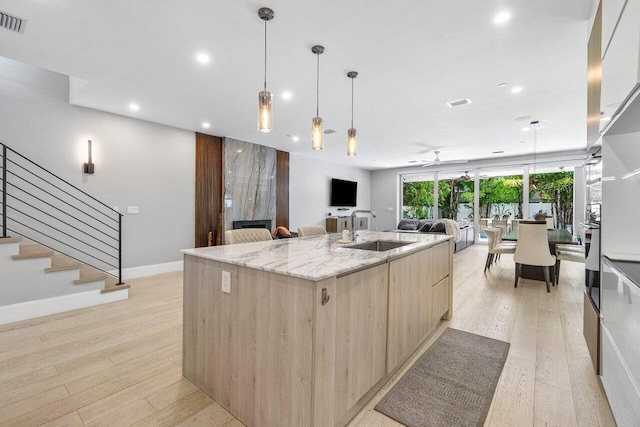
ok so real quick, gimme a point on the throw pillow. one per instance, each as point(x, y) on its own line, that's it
point(408, 224)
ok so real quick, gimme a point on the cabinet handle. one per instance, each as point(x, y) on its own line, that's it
point(325, 296)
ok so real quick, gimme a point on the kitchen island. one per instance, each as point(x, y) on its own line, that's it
point(304, 331)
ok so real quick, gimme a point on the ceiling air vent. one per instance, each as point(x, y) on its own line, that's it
point(459, 102)
point(12, 23)
point(329, 131)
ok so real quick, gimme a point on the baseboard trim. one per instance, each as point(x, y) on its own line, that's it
point(149, 270)
point(44, 307)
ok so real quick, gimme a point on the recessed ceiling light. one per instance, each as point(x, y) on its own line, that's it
point(203, 58)
point(206, 125)
point(525, 129)
point(287, 95)
point(295, 138)
point(502, 85)
point(502, 17)
point(516, 89)
point(239, 151)
point(134, 107)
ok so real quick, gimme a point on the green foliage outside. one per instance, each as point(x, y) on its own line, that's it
point(555, 188)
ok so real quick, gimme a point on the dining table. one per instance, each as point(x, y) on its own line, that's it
point(556, 236)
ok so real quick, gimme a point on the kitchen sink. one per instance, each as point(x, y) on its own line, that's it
point(379, 245)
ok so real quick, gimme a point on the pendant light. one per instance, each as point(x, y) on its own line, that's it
point(264, 97)
point(317, 135)
point(352, 140)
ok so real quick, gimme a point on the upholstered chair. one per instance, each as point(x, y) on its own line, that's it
point(311, 230)
point(246, 235)
point(574, 253)
point(500, 224)
point(533, 249)
point(495, 247)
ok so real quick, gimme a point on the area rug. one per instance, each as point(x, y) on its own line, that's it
point(451, 384)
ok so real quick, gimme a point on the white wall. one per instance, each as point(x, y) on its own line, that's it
point(137, 163)
point(310, 190)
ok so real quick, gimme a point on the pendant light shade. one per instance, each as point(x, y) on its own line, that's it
point(352, 140)
point(264, 97)
point(317, 133)
point(264, 111)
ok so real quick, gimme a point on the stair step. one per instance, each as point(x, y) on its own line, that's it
point(62, 263)
point(114, 287)
point(32, 250)
point(14, 239)
point(89, 274)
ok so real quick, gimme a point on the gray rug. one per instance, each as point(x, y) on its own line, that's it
point(451, 384)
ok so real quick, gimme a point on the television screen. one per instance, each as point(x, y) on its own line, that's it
point(343, 193)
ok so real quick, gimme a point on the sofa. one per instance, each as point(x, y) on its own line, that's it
point(463, 231)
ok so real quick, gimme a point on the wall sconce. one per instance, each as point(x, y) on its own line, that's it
point(89, 166)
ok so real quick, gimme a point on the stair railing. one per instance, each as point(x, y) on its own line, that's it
point(50, 211)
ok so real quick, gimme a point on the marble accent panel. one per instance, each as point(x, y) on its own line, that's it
point(316, 257)
point(249, 182)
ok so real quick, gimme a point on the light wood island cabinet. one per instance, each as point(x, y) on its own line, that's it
point(310, 330)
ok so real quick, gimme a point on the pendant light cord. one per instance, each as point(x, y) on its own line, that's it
point(265, 55)
point(318, 86)
point(352, 102)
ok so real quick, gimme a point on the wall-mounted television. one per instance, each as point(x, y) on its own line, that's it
point(343, 193)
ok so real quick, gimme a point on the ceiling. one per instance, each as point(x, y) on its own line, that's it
point(413, 57)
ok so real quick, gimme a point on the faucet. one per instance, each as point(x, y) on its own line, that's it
point(354, 234)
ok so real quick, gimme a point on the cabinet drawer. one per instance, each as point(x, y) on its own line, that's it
point(620, 389)
point(440, 300)
point(620, 308)
point(441, 260)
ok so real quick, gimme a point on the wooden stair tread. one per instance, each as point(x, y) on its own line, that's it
point(113, 287)
point(33, 250)
point(14, 239)
point(62, 263)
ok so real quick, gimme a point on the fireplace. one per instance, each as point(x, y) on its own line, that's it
point(256, 223)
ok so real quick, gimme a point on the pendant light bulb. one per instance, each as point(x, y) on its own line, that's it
point(352, 139)
point(317, 133)
point(265, 97)
point(352, 142)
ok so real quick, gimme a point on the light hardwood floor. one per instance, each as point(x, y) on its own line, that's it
point(120, 364)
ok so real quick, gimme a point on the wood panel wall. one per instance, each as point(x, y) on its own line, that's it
point(282, 188)
point(209, 191)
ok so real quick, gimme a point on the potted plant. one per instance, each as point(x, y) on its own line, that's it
point(540, 216)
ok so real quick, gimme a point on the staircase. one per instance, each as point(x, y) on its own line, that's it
point(60, 248)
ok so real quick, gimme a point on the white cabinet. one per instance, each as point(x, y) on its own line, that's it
point(620, 308)
point(621, 56)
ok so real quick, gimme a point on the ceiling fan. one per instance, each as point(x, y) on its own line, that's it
point(437, 161)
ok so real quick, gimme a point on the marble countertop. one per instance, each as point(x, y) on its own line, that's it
point(315, 257)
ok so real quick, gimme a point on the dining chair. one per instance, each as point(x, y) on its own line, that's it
point(495, 247)
point(533, 249)
point(501, 224)
point(246, 235)
point(311, 230)
point(514, 224)
point(550, 223)
point(484, 223)
point(574, 253)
